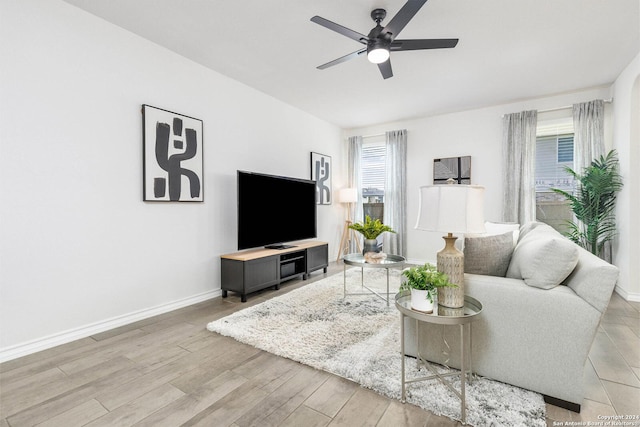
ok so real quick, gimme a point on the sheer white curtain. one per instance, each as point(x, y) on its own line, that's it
point(588, 138)
point(395, 192)
point(355, 181)
point(519, 160)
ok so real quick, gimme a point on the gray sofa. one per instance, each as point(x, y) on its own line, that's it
point(538, 323)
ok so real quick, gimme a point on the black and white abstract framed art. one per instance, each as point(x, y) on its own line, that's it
point(321, 174)
point(172, 156)
point(456, 168)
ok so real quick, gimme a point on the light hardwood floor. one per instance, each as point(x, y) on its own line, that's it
point(169, 370)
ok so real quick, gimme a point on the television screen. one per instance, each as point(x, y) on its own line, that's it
point(273, 210)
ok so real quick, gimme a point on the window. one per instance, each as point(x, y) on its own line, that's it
point(373, 168)
point(554, 152)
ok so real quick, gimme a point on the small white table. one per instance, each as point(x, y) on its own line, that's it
point(463, 317)
point(358, 260)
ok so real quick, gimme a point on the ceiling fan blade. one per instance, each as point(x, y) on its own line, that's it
point(418, 44)
point(354, 35)
point(342, 59)
point(385, 69)
point(403, 17)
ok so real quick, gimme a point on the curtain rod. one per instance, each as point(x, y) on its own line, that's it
point(566, 107)
point(374, 135)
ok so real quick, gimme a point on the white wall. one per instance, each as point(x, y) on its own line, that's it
point(477, 133)
point(79, 250)
point(626, 128)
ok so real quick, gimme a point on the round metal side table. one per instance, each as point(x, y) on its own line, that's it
point(463, 317)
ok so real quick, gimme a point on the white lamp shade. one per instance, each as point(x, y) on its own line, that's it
point(451, 208)
point(348, 195)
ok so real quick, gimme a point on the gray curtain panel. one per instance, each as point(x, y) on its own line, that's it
point(588, 141)
point(588, 128)
point(395, 192)
point(355, 181)
point(519, 161)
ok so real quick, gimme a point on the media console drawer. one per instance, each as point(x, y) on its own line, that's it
point(250, 271)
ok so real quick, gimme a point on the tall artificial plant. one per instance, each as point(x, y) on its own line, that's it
point(593, 203)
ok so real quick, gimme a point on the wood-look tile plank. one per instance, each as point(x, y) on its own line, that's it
point(279, 404)
point(78, 416)
point(365, 408)
point(229, 408)
point(139, 408)
point(609, 363)
point(625, 399)
point(26, 398)
point(135, 387)
point(185, 408)
point(229, 354)
point(591, 410)
point(38, 379)
point(90, 348)
point(627, 343)
point(45, 355)
point(331, 396)
point(69, 399)
point(307, 417)
point(267, 371)
point(593, 388)
point(406, 415)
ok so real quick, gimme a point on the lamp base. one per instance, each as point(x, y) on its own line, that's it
point(451, 263)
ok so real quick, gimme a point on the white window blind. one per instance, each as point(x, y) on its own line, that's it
point(373, 165)
point(554, 152)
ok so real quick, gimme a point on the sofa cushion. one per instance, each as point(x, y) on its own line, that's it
point(488, 255)
point(543, 259)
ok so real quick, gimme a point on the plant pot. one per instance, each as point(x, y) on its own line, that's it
point(420, 302)
point(370, 245)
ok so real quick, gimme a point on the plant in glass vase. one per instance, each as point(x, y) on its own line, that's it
point(424, 281)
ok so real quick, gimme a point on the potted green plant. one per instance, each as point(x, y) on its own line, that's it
point(424, 281)
point(370, 230)
point(593, 203)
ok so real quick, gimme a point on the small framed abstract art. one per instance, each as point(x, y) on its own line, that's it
point(321, 174)
point(172, 156)
point(456, 168)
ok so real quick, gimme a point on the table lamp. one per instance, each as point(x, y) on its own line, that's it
point(451, 209)
point(348, 196)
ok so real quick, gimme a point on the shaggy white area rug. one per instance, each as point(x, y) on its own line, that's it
point(358, 338)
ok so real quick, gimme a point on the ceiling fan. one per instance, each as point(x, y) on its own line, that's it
point(381, 41)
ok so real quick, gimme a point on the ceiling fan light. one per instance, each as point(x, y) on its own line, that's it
point(378, 55)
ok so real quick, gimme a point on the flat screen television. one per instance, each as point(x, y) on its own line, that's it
point(273, 210)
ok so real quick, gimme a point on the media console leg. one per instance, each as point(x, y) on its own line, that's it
point(243, 298)
point(276, 287)
point(224, 293)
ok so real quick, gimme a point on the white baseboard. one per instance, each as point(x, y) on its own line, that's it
point(64, 337)
point(628, 296)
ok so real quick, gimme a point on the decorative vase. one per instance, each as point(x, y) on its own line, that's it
point(370, 245)
point(451, 263)
point(420, 302)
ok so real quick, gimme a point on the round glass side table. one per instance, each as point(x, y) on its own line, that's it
point(358, 260)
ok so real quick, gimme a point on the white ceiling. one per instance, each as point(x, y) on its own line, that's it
point(509, 50)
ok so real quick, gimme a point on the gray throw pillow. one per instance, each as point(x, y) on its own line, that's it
point(489, 255)
point(543, 260)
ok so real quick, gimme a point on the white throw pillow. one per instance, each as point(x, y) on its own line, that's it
point(543, 260)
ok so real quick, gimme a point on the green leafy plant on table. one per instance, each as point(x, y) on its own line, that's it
point(425, 278)
point(371, 229)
